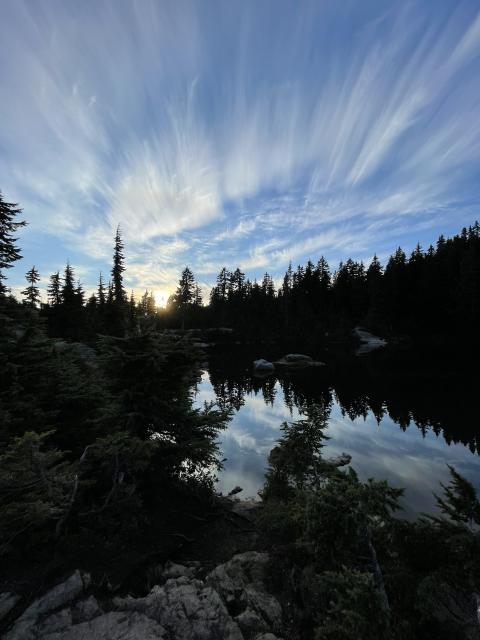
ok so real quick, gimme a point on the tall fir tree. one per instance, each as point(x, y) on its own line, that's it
point(54, 290)
point(119, 294)
point(31, 293)
point(101, 297)
point(185, 293)
point(9, 252)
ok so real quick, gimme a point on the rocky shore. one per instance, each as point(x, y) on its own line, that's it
point(231, 602)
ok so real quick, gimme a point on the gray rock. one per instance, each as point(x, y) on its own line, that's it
point(7, 602)
point(57, 597)
point(86, 610)
point(250, 622)
point(54, 623)
point(368, 341)
point(263, 365)
point(187, 609)
point(241, 580)
point(341, 460)
point(113, 626)
point(298, 361)
point(297, 357)
point(183, 608)
point(173, 570)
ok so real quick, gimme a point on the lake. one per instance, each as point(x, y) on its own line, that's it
point(399, 422)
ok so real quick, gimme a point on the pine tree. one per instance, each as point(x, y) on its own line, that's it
point(54, 290)
point(132, 311)
point(101, 292)
point(32, 293)
point(9, 252)
point(198, 299)
point(119, 295)
point(68, 289)
point(185, 293)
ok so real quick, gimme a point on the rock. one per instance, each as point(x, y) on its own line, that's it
point(173, 570)
point(340, 461)
point(54, 623)
point(250, 622)
point(186, 609)
point(60, 595)
point(369, 342)
point(297, 357)
point(231, 604)
point(298, 361)
point(86, 610)
point(113, 626)
point(7, 602)
point(247, 509)
point(241, 583)
point(262, 365)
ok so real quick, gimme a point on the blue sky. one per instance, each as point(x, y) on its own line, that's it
point(243, 133)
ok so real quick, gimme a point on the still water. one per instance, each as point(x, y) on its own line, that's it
point(402, 427)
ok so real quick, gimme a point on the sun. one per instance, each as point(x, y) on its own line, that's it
point(160, 298)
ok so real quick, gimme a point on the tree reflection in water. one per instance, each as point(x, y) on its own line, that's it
point(404, 428)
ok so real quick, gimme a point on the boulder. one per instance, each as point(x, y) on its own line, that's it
point(7, 602)
point(341, 460)
point(60, 595)
point(368, 342)
point(298, 361)
point(262, 365)
point(241, 585)
point(297, 357)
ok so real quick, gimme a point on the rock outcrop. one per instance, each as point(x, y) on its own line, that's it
point(368, 342)
point(263, 366)
point(229, 603)
point(298, 361)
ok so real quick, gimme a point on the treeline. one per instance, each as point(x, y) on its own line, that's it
point(429, 293)
point(432, 291)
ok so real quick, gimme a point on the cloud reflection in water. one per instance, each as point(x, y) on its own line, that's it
point(406, 459)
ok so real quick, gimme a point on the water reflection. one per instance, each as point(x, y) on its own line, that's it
point(406, 431)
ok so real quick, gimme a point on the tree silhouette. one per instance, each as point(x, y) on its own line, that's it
point(32, 294)
point(9, 252)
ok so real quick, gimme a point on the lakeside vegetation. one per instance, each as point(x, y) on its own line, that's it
point(105, 461)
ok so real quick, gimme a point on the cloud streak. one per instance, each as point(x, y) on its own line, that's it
point(237, 134)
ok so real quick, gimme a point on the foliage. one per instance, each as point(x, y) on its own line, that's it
point(32, 293)
point(9, 252)
point(34, 489)
point(346, 568)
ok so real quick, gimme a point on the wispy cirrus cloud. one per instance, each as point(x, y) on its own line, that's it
point(237, 134)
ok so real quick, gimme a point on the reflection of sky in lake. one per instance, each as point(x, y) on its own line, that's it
point(404, 458)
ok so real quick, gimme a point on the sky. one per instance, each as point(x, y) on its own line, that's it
point(236, 133)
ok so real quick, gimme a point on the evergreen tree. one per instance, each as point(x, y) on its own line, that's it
point(32, 293)
point(68, 289)
point(9, 252)
point(132, 312)
point(101, 292)
point(119, 295)
point(185, 293)
point(54, 290)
